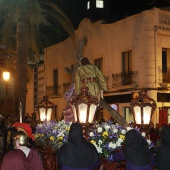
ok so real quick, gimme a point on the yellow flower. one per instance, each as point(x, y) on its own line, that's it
point(93, 142)
point(122, 136)
point(60, 143)
point(60, 138)
point(52, 138)
point(37, 135)
point(105, 134)
point(56, 127)
point(41, 135)
point(68, 128)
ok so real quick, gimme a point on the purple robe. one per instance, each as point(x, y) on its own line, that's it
point(16, 159)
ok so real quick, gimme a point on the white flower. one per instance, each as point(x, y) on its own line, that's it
point(112, 145)
point(61, 133)
point(118, 143)
point(120, 140)
point(99, 129)
point(107, 127)
point(99, 149)
point(100, 142)
point(143, 134)
point(128, 128)
point(115, 130)
point(123, 131)
point(149, 141)
point(91, 134)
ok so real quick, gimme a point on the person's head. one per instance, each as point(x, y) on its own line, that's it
point(25, 127)
point(84, 61)
point(76, 133)
point(136, 148)
point(165, 134)
point(20, 139)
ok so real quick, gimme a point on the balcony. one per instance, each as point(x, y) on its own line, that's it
point(53, 91)
point(124, 79)
point(107, 81)
point(164, 77)
point(66, 87)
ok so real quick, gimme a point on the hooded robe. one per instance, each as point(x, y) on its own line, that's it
point(137, 152)
point(17, 160)
point(163, 153)
point(78, 153)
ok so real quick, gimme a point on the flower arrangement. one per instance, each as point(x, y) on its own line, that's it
point(106, 136)
point(56, 131)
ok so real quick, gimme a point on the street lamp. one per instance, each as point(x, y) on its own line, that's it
point(143, 108)
point(84, 107)
point(6, 76)
point(45, 109)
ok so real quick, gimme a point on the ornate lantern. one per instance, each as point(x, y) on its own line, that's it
point(45, 109)
point(143, 108)
point(84, 107)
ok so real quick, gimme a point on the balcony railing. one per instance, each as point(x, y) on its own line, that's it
point(66, 87)
point(107, 81)
point(123, 79)
point(52, 91)
point(163, 76)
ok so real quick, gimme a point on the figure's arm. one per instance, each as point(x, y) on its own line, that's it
point(100, 79)
point(77, 83)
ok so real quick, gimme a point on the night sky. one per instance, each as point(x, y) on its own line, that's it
point(76, 9)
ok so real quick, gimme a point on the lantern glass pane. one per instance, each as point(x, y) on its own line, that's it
point(42, 114)
point(74, 112)
point(49, 114)
point(147, 114)
point(92, 112)
point(137, 114)
point(6, 75)
point(82, 108)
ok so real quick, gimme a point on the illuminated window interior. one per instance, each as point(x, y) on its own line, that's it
point(99, 4)
point(88, 5)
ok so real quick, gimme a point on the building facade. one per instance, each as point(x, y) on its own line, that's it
point(133, 54)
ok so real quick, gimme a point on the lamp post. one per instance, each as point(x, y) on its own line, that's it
point(84, 107)
point(45, 109)
point(143, 108)
point(6, 76)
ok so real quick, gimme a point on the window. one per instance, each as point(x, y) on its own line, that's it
point(88, 5)
point(99, 63)
point(55, 82)
point(128, 114)
point(99, 4)
point(166, 65)
point(127, 68)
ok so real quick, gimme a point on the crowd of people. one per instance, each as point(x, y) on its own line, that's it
point(80, 154)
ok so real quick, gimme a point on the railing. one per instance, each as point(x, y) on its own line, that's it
point(53, 91)
point(66, 87)
point(107, 81)
point(123, 79)
point(163, 76)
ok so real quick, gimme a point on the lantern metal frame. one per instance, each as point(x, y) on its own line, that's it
point(46, 105)
point(84, 97)
point(142, 101)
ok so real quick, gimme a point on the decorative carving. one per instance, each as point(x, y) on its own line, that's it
point(164, 18)
point(49, 158)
